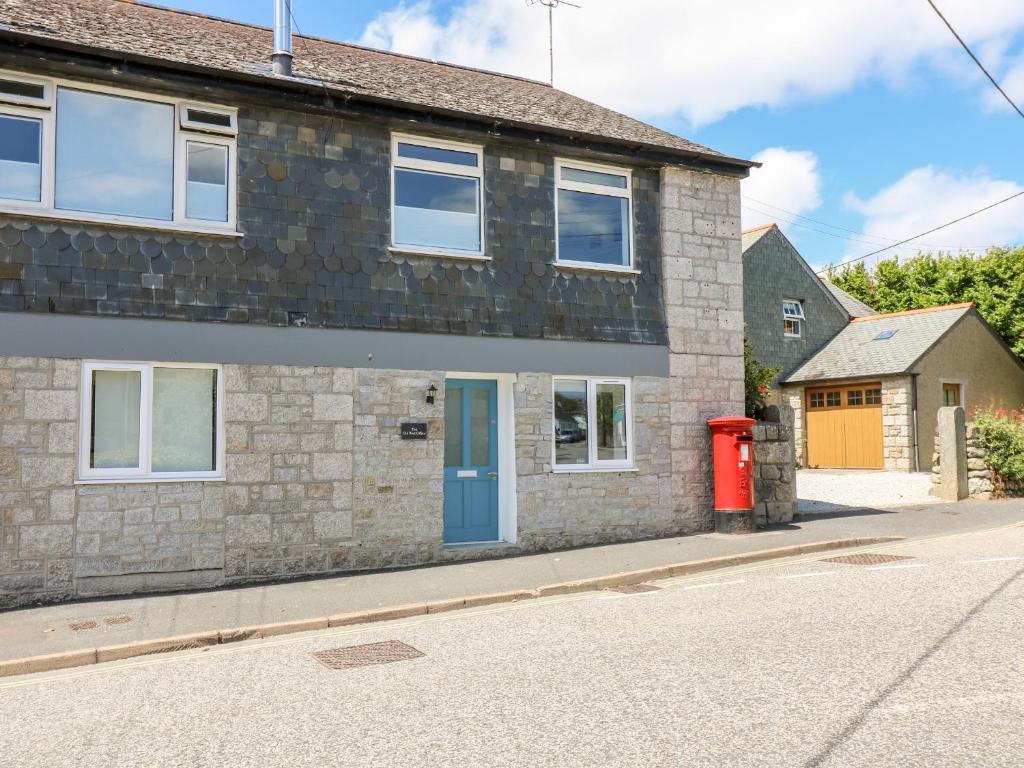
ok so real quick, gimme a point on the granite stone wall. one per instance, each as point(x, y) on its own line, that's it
point(564, 509)
point(703, 265)
point(775, 499)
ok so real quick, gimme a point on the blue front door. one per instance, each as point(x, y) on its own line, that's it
point(470, 460)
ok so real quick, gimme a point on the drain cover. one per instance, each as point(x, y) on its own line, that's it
point(78, 626)
point(111, 620)
point(366, 655)
point(633, 589)
point(866, 558)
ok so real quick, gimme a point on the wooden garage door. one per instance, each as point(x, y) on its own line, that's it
point(844, 426)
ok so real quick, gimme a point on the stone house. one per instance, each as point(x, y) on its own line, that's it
point(360, 312)
point(865, 388)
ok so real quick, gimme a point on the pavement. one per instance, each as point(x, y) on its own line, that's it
point(804, 661)
point(120, 625)
point(825, 490)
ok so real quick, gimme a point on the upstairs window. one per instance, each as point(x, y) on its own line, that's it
point(594, 218)
point(793, 318)
point(84, 152)
point(436, 199)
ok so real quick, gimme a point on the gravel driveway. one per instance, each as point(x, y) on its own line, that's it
point(834, 490)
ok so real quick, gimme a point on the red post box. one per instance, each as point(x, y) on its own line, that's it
point(732, 444)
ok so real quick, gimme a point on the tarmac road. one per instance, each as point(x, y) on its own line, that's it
point(804, 662)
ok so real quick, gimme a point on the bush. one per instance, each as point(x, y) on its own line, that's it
point(1001, 436)
point(756, 380)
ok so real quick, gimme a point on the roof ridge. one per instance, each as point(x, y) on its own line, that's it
point(758, 229)
point(343, 43)
point(920, 311)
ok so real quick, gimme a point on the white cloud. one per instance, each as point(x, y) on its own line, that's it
point(700, 59)
point(788, 180)
point(927, 197)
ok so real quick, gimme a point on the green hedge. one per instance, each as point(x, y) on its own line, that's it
point(1001, 435)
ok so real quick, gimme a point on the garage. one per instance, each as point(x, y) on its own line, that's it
point(844, 426)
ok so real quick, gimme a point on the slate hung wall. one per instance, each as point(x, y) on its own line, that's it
point(317, 479)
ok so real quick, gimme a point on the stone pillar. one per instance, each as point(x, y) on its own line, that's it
point(774, 470)
point(952, 448)
point(703, 287)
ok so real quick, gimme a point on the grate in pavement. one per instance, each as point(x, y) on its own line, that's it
point(366, 655)
point(110, 620)
point(866, 558)
point(78, 626)
point(633, 589)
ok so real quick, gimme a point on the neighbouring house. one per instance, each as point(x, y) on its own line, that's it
point(865, 387)
point(352, 311)
point(789, 313)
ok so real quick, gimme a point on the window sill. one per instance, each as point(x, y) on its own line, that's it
point(73, 217)
point(791, 336)
point(147, 480)
point(437, 254)
point(592, 470)
point(624, 272)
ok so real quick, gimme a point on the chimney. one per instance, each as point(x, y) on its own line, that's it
point(282, 56)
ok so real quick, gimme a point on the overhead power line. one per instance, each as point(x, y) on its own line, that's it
point(976, 60)
point(922, 234)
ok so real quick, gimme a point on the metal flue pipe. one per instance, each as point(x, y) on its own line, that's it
point(282, 56)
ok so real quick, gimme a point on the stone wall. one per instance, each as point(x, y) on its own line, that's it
point(564, 509)
point(317, 480)
point(775, 499)
point(983, 481)
point(703, 265)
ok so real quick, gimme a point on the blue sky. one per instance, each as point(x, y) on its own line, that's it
point(869, 119)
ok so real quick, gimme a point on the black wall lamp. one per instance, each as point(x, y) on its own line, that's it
point(431, 391)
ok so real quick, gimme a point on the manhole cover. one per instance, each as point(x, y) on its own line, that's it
point(866, 558)
point(365, 655)
point(633, 589)
point(117, 620)
point(78, 626)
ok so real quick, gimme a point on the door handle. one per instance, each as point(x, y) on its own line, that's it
point(492, 474)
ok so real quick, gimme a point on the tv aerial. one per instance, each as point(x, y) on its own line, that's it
point(551, 5)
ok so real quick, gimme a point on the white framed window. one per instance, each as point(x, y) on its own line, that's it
point(107, 155)
point(436, 196)
point(592, 423)
point(593, 216)
point(151, 421)
point(793, 318)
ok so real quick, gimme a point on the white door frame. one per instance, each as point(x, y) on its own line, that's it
point(508, 529)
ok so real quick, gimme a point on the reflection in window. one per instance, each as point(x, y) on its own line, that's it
point(20, 158)
point(571, 440)
point(834, 399)
point(594, 216)
point(115, 155)
point(611, 422)
point(817, 399)
point(855, 397)
point(206, 187)
point(436, 197)
point(480, 428)
point(873, 397)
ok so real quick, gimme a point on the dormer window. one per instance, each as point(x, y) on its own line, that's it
point(793, 318)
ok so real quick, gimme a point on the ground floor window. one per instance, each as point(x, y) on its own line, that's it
point(158, 420)
point(592, 423)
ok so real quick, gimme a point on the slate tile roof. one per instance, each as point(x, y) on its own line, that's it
point(856, 351)
point(179, 38)
point(854, 307)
